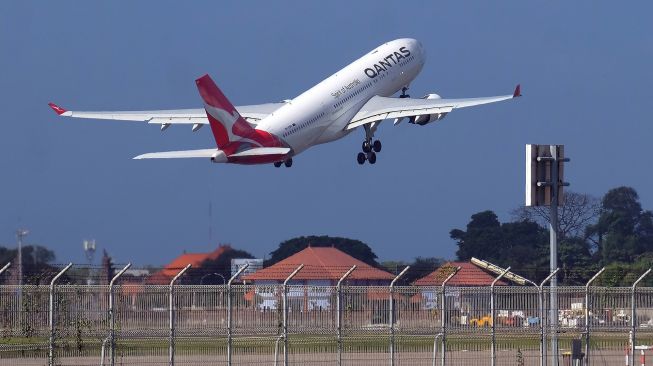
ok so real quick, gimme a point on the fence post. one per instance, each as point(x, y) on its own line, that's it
point(443, 354)
point(171, 303)
point(339, 312)
point(435, 347)
point(493, 315)
point(285, 314)
point(276, 350)
point(5, 268)
point(51, 314)
point(112, 315)
point(587, 315)
point(632, 317)
point(392, 315)
point(540, 303)
point(229, 314)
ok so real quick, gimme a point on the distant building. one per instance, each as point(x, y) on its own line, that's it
point(462, 291)
point(253, 265)
point(323, 266)
point(164, 276)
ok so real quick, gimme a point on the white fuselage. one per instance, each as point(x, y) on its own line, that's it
point(321, 113)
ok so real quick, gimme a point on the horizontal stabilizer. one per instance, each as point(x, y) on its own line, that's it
point(262, 151)
point(183, 154)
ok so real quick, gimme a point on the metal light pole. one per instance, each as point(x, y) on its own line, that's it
point(544, 182)
point(553, 255)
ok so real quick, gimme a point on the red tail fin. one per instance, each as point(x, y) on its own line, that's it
point(226, 123)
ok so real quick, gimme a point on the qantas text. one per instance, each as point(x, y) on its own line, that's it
point(384, 64)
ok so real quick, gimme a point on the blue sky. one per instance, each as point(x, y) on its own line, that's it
point(584, 66)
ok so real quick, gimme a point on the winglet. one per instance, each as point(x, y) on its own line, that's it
point(517, 92)
point(58, 110)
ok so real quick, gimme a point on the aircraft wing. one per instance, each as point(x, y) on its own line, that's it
point(165, 118)
point(380, 108)
point(215, 155)
point(203, 153)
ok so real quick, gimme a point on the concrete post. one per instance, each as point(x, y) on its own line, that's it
point(51, 314)
point(587, 315)
point(443, 308)
point(229, 313)
point(493, 316)
point(392, 315)
point(285, 313)
point(339, 312)
point(171, 304)
point(540, 302)
point(112, 316)
point(633, 315)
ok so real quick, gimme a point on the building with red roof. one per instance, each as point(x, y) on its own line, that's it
point(467, 292)
point(468, 275)
point(164, 276)
point(322, 266)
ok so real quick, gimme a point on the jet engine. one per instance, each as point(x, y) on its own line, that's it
point(428, 118)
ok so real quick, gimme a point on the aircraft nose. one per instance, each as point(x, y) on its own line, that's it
point(417, 45)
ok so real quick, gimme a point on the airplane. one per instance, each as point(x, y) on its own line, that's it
point(359, 95)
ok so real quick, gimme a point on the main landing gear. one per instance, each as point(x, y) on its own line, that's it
point(370, 147)
point(287, 163)
point(369, 151)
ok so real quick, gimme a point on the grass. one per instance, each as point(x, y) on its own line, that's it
point(36, 346)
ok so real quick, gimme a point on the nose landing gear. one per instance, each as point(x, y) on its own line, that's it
point(403, 92)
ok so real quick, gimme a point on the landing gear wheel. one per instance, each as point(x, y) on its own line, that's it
point(366, 146)
point(371, 157)
point(288, 163)
point(376, 146)
point(278, 164)
point(361, 158)
point(403, 92)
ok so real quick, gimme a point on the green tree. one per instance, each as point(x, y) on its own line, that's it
point(482, 237)
point(355, 248)
point(521, 244)
point(623, 230)
point(36, 262)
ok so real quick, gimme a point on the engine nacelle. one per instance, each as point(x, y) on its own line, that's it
point(428, 118)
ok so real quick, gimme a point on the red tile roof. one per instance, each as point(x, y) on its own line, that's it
point(164, 276)
point(320, 263)
point(468, 275)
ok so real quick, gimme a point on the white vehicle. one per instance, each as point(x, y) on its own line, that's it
point(359, 95)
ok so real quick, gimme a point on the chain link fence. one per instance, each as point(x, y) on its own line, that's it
point(348, 325)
